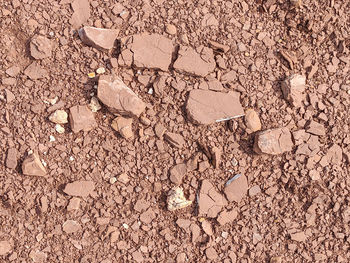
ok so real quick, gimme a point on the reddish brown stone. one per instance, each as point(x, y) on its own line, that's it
point(120, 99)
point(227, 217)
point(33, 166)
point(293, 89)
point(40, 47)
point(81, 119)
point(236, 188)
point(177, 172)
point(174, 139)
point(5, 247)
point(315, 128)
point(80, 188)
point(99, 38)
point(11, 158)
point(81, 12)
point(273, 141)
point(123, 126)
point(206, 107)
point(34, 71)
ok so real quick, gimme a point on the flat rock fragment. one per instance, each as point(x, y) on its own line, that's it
point(252, 121)
point(236, 188)
point(120, 99)
point(227, 217)
point(34, 71)
point(81, 119)
point(40, 47)
point(176, 199)
point(80, 188)
point(177, 172)
point(315, 128)
point(293, 89)
point(33, 166)
point(71, 226)
point(81, 12)
point(151, 51)
point(59, 117)
point(11, 158)
point(210, 201)
point(5, 247)
point(123, 126)
point(191, 62)
point(174, 139)
point(273, 141)
point(207, 107)
point(99, 38)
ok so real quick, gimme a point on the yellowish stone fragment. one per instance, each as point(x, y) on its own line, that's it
point(176, 199)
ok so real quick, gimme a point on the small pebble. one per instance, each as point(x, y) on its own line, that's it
point(100, 70)
point(59, 128)
point(112, 180)
point(170, 29)
point(52, 139)
point(126, 226)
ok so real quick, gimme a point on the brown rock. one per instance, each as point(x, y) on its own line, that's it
point(170, 29)
point(207, 227)
point(273, 141)
point(212, 84)
point(183, 223)
point(206, 107)
point(118, 97)
point(148, 216)
point(38, 256)
point(293, 89)
point(123, 126)
point(252, 121)
point(191, 62)
point(13, 71)
point(254, 190)
point(74, 204)
point(195, 231)
point(81, 119)
point(137, 256)
point(335, 154)
point(141, 205)
point(299, 237)
point(40, 47)
point(9, 96)
point(315, 128)
point(174, 139)
point(210, 202)
point(80, 188)
point(236, 188)
point(151, 51)
point(34, 71)
point(211, 253)
point(276, 260)
point(81, 12)
point(227, 217)
point(203, 165)
point(177, 172)
point(99, 38)
point(11, 158)
point(71, 226)
point(159, 130)
point(5, 247)
point(33, 166)
point(216, 156)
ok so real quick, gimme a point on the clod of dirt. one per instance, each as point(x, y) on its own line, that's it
point(11, 158)
point(315, 128)
point(81, 12)
point(71, 226)
point(177, 172)
point(227, 217)
point(59, 117)
point(148, 216)
point(293, 89)
point(252, 121)
point(120, 99)
point(94, 105)
point(273, 141)
point(38, 256)
point(174, 139)
point(34, 71)
point(210, 202)
point(40, 47)
point(193, 63)
point(123, 126)
point(81, 118)
point(176, 199)
point(33, 166)
point(206, 107)
point(151, 51)
point(99, 38)
point(80, 188)
point(5, 247)
point(236, 188)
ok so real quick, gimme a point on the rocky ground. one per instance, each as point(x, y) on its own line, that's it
point(174, 131)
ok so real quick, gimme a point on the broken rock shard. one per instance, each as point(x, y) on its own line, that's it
point(273, 141)
point(120, 99)
point(236, 188)
point(207, 107)
point(151, 51)
point(293, 89)
point(80, 188)
point(99, 38)
point(33, 166)
point(176, 199)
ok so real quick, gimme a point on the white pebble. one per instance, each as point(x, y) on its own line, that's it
point(126, 226)
point(100, 70)
point(52, 139)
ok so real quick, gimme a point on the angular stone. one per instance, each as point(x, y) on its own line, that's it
point(9, 96)
point(80, 188)
point(151, 51)
point(176, 199)
point(13, 71)
point(74, 204)
point(298, 236)
point(335, 154)
point(123, 126)
point(207, 227)
point(120, 99)
point(193, 63)
point(315, 128)
point(5, 247)
point(252, 121)
point(38, 256)
point(34, 71)
point(99, 38)
point(81, 12)
point(59, 117)
point(174, 139)
point(11, 158)
point(40, 47)
point(216, 153)
point(177, 172)
point(273, 141)
point(236, 188)
point(211, 253)
point(293, 89)
point(210, 202)
point(227, 217)
point(81, 119)
point(207, 107)
point(212, 84)
point(71, 226)
point(148, 216)
point(33, 166)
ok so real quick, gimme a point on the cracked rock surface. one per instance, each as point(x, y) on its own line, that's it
point(273, 141)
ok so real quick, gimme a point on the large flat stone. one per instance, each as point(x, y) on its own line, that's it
point(99, 38)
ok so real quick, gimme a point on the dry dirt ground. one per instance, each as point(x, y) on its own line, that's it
point(89, 194)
